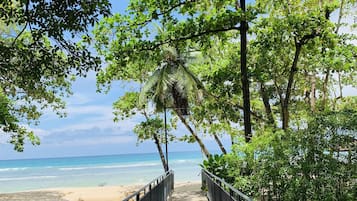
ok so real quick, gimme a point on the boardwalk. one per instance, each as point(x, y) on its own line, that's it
point(188, 192)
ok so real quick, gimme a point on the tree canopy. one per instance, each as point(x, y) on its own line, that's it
point(298, 63)
point(40, 55)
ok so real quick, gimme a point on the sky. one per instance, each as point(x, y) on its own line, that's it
point(89, 129)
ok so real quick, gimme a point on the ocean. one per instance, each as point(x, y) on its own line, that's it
point(86, 171)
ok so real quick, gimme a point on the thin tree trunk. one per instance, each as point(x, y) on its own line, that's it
point(220, 144)
point(159, 149)
point(158, 146)
point(244, 76)
point(166, 141)
point(293, 70)
point(339, 85)
point(232, 140)
point(338, 25)
point(216, 138)
point(313, 93)
point(199, 141)
point(324, 89)
point(267, 106)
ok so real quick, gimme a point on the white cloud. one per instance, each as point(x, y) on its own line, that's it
point(91, 134)
point(96, 141)
point(78, 99)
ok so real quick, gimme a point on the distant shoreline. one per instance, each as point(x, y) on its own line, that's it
point(99, 155)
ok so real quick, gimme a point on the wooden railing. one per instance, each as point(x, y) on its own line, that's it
point(219, 190)
point(158, 189)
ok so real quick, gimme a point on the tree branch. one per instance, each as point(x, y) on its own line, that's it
point(340, 15)
point(155, 16)
point(293, 70)
point(23, 29)
point(154, 46)
point(238, 106)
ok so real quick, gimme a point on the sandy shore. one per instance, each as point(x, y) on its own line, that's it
point(104, 193)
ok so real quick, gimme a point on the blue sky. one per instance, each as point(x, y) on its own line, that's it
point(89, 129)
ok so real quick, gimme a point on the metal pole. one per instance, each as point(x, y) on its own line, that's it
point(244, 76)
point(167, 156)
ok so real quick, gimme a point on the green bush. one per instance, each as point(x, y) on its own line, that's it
point(314, 163)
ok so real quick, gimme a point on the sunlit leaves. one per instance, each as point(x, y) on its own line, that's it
point(126, 106)
point(146, 130)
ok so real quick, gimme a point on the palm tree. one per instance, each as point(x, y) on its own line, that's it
point(170, 86)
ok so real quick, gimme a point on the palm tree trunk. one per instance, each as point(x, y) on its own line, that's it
point(198, 140)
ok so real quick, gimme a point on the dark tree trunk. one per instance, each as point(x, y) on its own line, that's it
point(313, 93)
point(293, 71)
point(244, 76)
point(268, 111)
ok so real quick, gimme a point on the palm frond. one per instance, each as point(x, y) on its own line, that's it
point(190, 84)
point(192, 76)
point(148, 88)
point(172, 84)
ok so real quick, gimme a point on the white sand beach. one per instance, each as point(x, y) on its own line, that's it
point(189, 191)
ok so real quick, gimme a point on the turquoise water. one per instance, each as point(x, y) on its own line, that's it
point(30, 174)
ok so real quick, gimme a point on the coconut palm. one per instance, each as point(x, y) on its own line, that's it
point(170, 86)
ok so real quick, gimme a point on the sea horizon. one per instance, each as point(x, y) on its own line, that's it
point(116, 154)
point(18, 175)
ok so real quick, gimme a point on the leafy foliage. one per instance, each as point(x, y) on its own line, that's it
point(150, 128)
point(39, 58)
point(314, 163)
point(219, 166)
point(9, 123)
